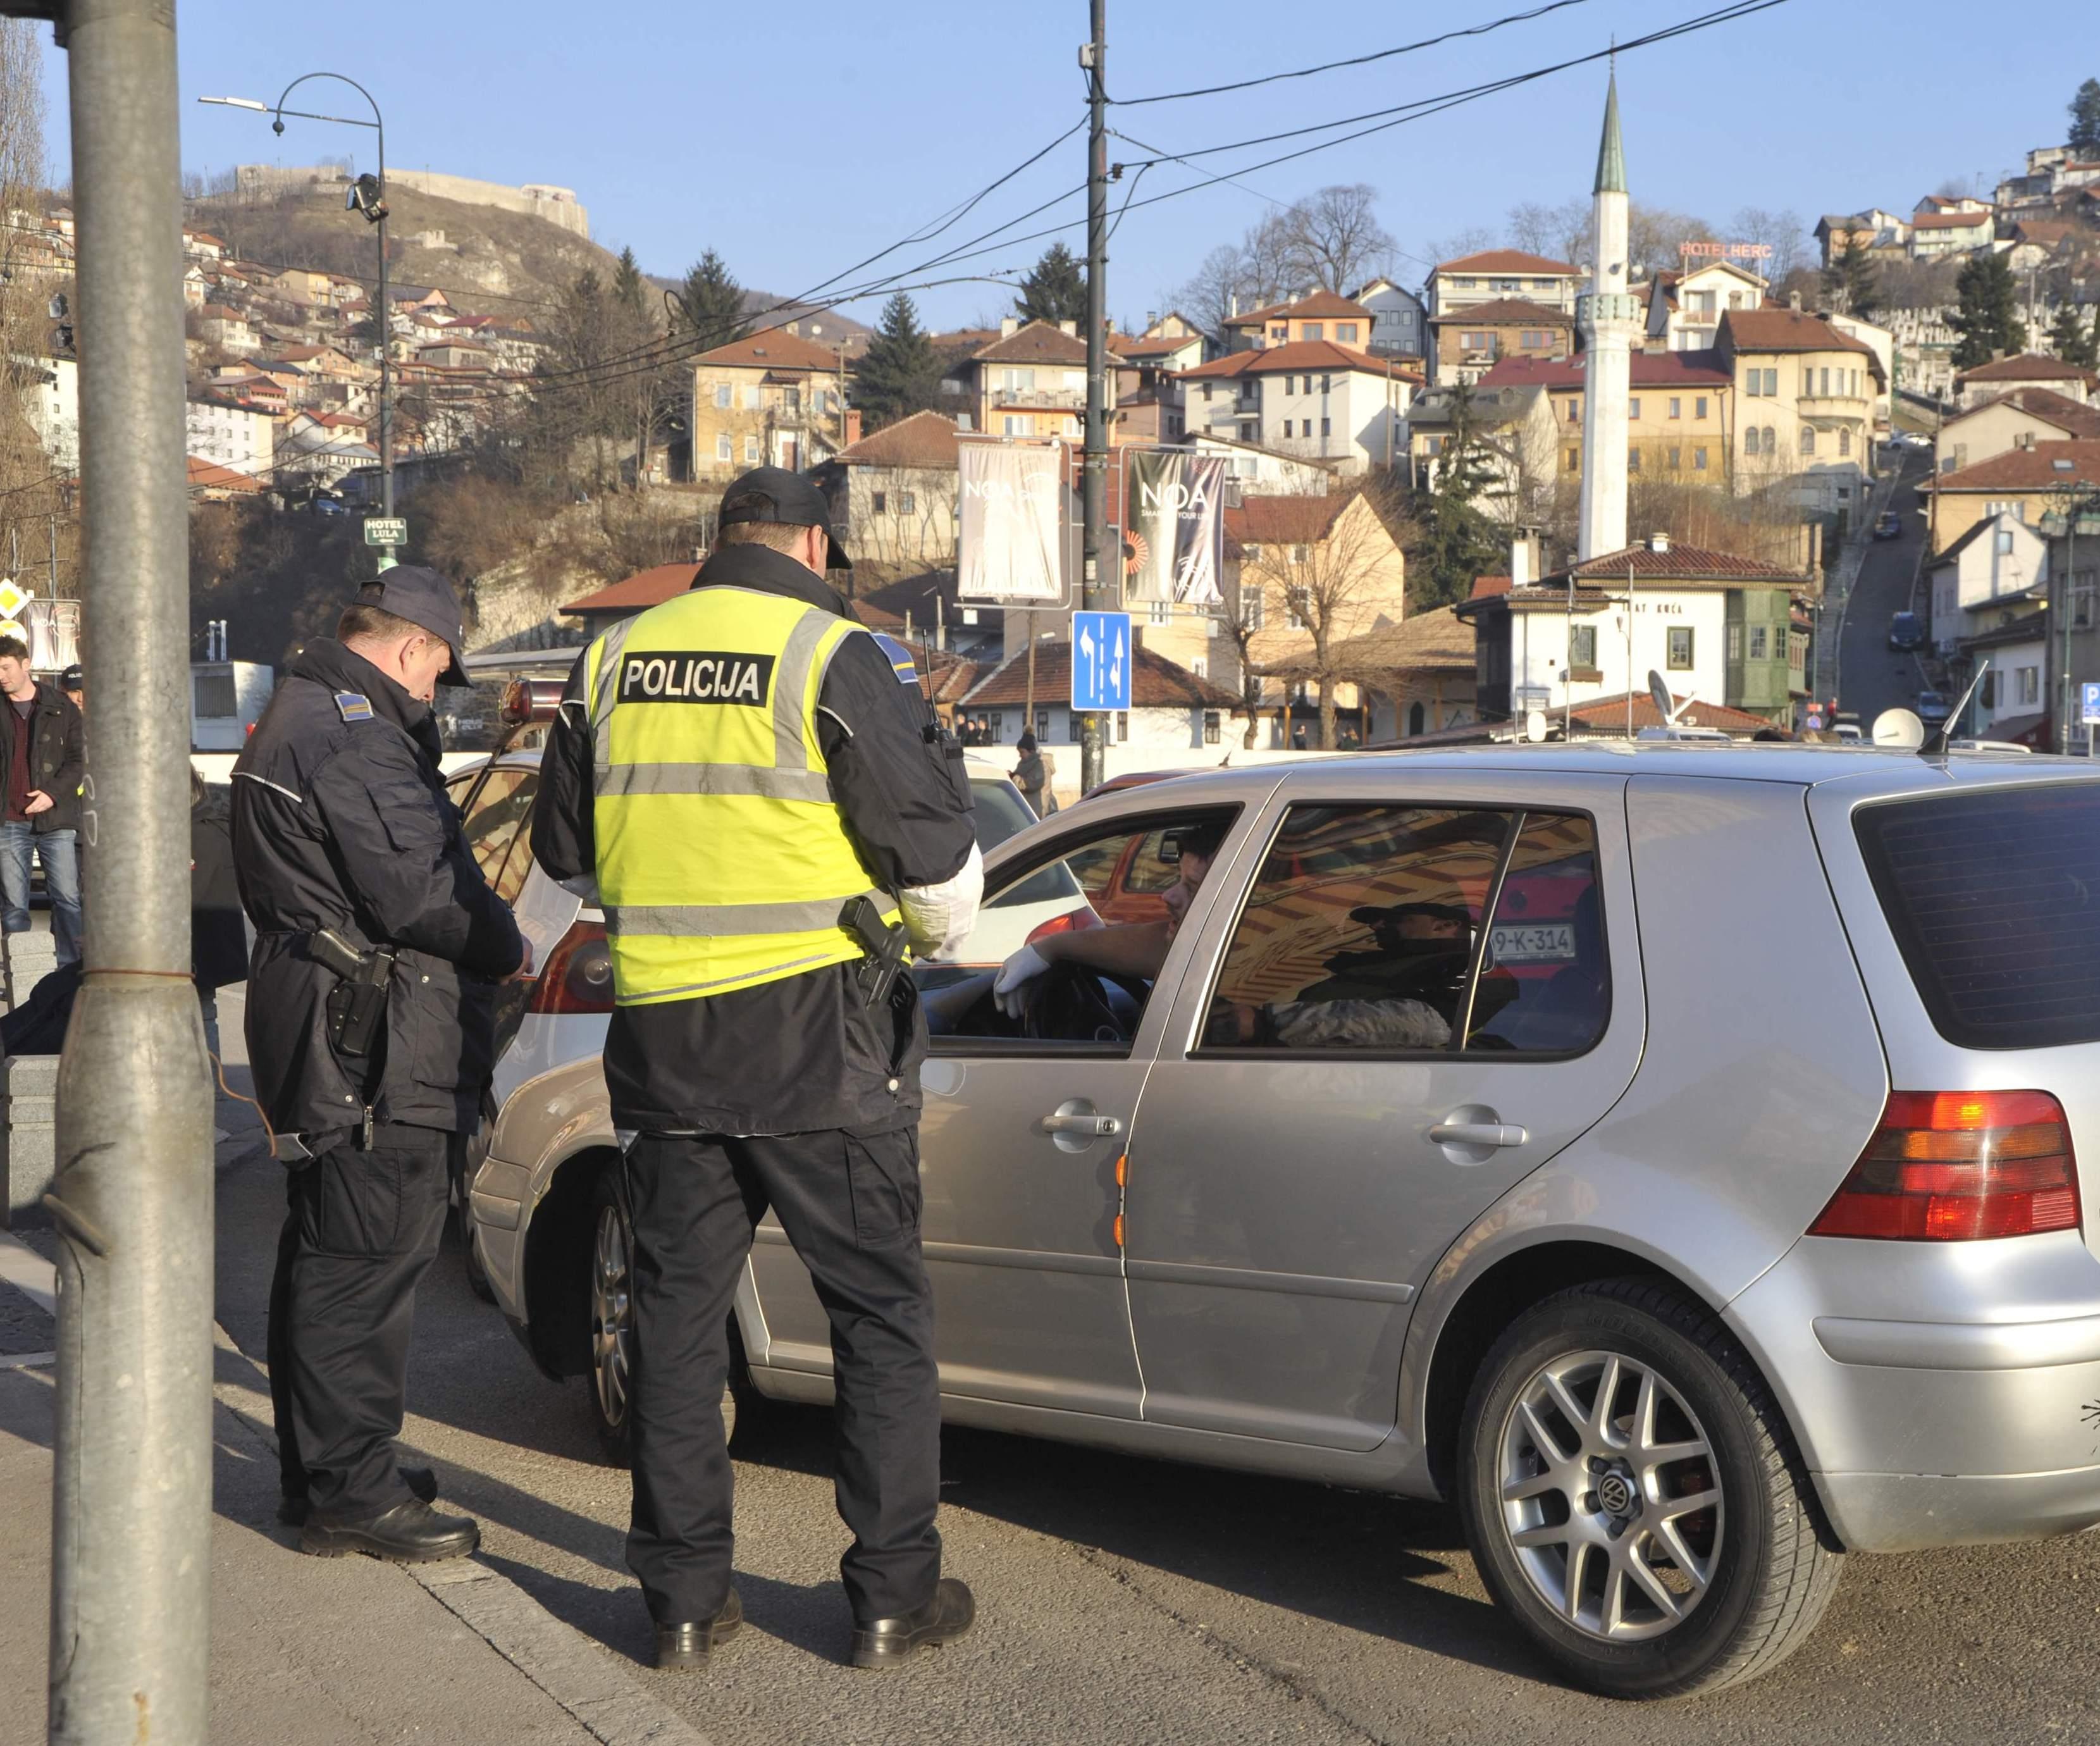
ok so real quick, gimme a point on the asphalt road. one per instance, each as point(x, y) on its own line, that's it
point(1125, 1601)
point(1871, 676)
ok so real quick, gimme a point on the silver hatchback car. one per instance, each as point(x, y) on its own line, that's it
point(1665, 1153)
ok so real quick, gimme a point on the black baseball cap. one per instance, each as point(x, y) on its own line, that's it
point(773, 493)
point(72, 678)
point(426, 600)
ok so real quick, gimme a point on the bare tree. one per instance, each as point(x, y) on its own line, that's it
point(1653, 234)
point(1260, 269)
point(1332, 584)
point(1473, 240)
point(1530, 227)
point(1335, 237)
point(1782, 232)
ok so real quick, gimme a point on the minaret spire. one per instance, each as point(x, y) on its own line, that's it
point(1608, 315)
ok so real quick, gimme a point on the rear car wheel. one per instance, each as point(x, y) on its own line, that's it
point(745, 1411)
point(1633, 1496)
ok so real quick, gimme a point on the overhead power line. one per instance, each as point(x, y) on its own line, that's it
point(1353, 60)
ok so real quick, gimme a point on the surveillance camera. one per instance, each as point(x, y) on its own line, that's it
point(277, 127)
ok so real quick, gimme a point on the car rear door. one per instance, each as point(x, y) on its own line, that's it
point(1289, 1191)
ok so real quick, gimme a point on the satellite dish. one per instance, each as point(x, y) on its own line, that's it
point(1665, 705)
point(1534, 726)
point(1900, 728)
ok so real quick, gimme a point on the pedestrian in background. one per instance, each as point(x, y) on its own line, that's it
point(750, 787)
point(346, 843)
point(1033, 775)
point(44, 752)
point(74, 682)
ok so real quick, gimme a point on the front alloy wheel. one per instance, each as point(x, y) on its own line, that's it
point(1633, 1496)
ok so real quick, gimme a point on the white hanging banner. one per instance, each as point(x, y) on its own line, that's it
point(1010, 537)
point(1173, 526)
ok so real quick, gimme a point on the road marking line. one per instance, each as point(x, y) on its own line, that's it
point(28, 1273)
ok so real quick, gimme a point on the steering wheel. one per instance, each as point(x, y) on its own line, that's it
point(1067, 1005)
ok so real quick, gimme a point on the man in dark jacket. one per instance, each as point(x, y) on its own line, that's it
point(43, 752)
point(341, 822)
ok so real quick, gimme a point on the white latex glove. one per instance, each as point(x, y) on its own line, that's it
point(1014, 975)
point(940, 918)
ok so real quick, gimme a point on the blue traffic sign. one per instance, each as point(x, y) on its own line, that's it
point(1101, 652)
point(2089, 697)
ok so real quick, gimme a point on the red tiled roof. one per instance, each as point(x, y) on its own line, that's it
point(1651, 370)
point(1037, 342)
point(2073, 418)
point(1515, 311)
point(645, 588)
point(1300, 354)
point(1611, 712)
point(1680, 564)
point(1783, 330)
point(2028, 366)
point(924, 440)
point(776, 348)
point(1297, 521)
point(1485, 586)
point(1320, 306)
point(1508, 261)
point(876, 617)
point(209, 475)
point(2035, 469)
point(1156, 683)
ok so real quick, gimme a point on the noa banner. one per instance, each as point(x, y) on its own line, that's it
point(1173, 526)
point(1010, 532)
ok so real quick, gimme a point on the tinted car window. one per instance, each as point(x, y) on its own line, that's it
point(1544, 984)
point(1994, 899)
point(1359, 931)
point(999, 811)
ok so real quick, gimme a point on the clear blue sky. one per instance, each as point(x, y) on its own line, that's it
point(797, 139)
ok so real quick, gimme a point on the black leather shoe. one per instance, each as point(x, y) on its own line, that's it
point(410, 1533)
point(686, 1647)
point(421, 1481)
point(890, 1642)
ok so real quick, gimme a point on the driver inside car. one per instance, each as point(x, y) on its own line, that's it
point(1133, 948)
point(1402, 993)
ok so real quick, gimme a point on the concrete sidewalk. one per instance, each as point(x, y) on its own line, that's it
point(317, 1651)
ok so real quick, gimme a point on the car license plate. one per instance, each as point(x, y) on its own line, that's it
point(1536, 943)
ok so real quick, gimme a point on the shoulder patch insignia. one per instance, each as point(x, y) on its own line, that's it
point(900, 657)
point(353, 706)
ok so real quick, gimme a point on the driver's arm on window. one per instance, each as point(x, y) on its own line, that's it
point(1133, 948)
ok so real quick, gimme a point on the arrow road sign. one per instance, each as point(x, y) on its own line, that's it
point(1100, 660)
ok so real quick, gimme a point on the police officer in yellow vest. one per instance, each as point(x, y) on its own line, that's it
point(736, 767)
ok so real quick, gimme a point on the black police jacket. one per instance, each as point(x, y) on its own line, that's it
point(805, 1052)
point(57, 755)
point(341, 821)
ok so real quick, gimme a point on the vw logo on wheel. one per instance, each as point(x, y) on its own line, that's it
point(1615, 1495)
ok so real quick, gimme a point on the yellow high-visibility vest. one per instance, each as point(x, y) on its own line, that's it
point(723, 862)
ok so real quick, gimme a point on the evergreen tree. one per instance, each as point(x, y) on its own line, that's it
point(2071, 336)
point(1850, 279)
point(899, 374)
point(711, 303)
point(1988, 319)
point(630, 290)
point(2085, 120)
point(1055, 289)
point(1458, 540)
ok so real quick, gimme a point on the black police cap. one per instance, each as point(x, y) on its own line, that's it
point(426, 599)
point(774, 495)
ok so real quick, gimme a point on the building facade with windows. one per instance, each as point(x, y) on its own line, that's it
point(1467, 342)
point(1678, 412)
point(1315, 315)
point(1032, 381)
point(1498, 273)
point(2028, 484)
point(1804, 398)
point(894, 495)
point(1314, 399)
point(769, 399)
point(1399, 320)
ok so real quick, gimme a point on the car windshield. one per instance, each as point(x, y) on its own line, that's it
point(1000, 812)
point(1993, 901)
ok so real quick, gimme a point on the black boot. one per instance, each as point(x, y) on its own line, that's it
point(410, 1533)
point(890, 1642)
point(293, 1510)
point(686, 1647)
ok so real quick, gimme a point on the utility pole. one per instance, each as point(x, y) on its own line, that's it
point(1093, 58)
point(132, 1457)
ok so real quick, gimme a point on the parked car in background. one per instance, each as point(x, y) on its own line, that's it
point(1905, 632)
point(1932, 707)
point(1888, 525)
point(1455, 1151)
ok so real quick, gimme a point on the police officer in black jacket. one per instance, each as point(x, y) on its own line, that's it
point(341, 823)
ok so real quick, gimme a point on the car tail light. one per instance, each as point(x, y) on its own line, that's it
point(1954, 1166)
point(1076, 922)
point(578, 976)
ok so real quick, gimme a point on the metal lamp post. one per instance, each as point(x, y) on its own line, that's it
point(372, 202)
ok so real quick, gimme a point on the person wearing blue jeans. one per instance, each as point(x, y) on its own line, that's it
point(43, 761)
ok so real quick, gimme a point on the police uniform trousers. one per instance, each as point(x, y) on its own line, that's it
point(850, 1206)
point(362, 1224)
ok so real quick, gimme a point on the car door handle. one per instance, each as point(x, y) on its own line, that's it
point(1478, 1133)
point(1094, 1127)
